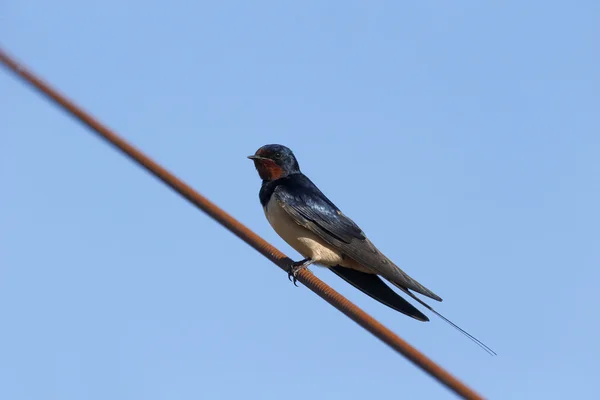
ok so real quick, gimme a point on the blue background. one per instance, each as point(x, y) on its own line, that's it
point(463, 137)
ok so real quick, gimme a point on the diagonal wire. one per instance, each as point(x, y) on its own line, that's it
point(305, 276)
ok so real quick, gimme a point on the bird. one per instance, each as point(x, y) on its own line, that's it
point(317, 229)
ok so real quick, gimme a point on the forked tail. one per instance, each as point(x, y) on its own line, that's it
point(458, 328)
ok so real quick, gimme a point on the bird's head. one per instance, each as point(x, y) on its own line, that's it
point(274, 161)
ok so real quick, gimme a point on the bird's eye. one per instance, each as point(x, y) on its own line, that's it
point(277, 155)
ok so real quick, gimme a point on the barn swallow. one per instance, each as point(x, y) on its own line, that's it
point(310, 223)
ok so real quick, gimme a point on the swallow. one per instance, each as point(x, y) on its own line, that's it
point(316, 228)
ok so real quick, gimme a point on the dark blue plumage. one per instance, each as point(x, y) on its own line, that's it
point(300, 194)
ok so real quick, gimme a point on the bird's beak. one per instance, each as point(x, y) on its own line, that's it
point(256, 157)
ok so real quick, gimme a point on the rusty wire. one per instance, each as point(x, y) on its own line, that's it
point(305, 276)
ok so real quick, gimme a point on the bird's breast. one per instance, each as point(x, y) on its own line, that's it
point(300, 238)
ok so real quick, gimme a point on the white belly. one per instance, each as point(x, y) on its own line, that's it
point(301, 239)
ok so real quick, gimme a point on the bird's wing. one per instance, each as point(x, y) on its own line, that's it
point(373, 286)
point(310, 208)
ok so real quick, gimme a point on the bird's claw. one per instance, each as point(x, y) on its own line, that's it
point(295, 268)
point(293, 273)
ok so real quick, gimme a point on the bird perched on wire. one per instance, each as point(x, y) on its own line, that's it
point(309, 222)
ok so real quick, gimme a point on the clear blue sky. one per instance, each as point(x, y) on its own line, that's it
point(463, 137)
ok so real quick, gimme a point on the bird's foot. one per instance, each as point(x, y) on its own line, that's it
point(297, 267)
